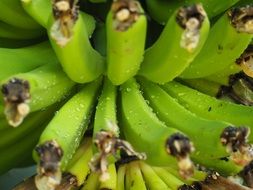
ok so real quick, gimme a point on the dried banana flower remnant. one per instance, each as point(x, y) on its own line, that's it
point(16, 94)
point(235, 139)
point(49, 172)
point(180, 147)
point(65, 15)
point(190, 19)
point(108, 144)
point(242, 18)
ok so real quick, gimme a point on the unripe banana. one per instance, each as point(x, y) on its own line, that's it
point(217, 134)
point(27, 92)
point(121, 177)
point(211, 108)
point(224, 47)
point(62, 136)
point(70, 40)
point(153, 181)
point(154, 137)
point(77, 169)
point(179, 43)
point(134, 178)
point(161, 10)
point(12, 13)
point(20, 60)
point(9, 31)
point(126, 27)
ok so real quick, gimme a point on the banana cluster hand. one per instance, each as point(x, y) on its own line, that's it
point(127, 94)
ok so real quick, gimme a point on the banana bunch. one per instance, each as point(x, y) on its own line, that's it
point(127, 94)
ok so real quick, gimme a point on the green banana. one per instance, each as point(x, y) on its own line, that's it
point(105, 125)
point(39, 10)
point(106, 133)
point(224, 47)
point(161, 10)
point(12, 32)
point(27, 92)
point(202, 130)
point(153, 181)
point(121, 173)
point(92, 183)
point(179, 43)
point(134, 179)
point(205, 86)
point(105, 116)
point(209, 107)
point(20, 152)
point(25, 59)
point(14, 44)
point(126, 28)
point(243, 63)
point(173, 182)
point(57, 145)
point(12, 13)
point(111, 182)
point(70, 40)
point(154, 137)
point(223, 77)
point(77, 168)
point(10, 136)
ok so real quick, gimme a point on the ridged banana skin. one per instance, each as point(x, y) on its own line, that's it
point(142, 128)
point(205, 134)
point(209, 107)
point(125, 49)
point(13, 13)
point(70, 122)
point(167, 58)
point(220, 50)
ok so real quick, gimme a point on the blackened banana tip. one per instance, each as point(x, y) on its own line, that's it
point(125, 13)
point(190, 18)
point(49, 172)
point(242, 18)
point(16, 94)
point(235, 139)
point(180, 147)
